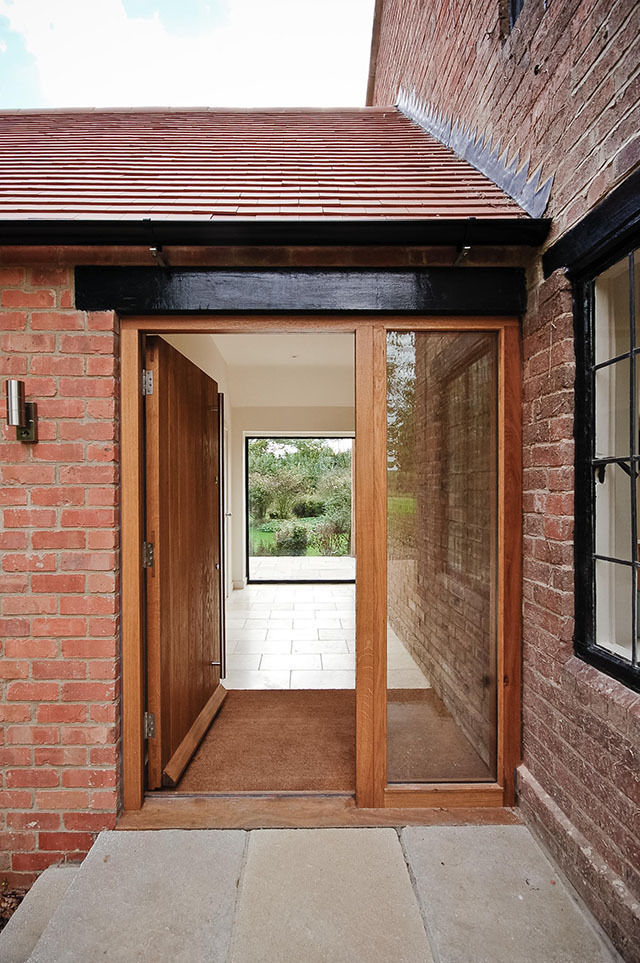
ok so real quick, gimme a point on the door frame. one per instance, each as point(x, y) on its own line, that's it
point(370, 332)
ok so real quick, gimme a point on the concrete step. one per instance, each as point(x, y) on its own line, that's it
point(24, 929)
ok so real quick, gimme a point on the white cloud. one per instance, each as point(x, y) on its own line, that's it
point(266, 53)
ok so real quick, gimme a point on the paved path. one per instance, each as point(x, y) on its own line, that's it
point(421, 895)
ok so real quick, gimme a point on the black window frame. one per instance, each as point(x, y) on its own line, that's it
point(587, 465)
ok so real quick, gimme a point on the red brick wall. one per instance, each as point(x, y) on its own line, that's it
point(59, 580)
point(562, 88)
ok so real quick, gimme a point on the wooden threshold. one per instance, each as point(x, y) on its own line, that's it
point(302, 812)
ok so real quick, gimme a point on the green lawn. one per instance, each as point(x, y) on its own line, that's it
point(267, 539)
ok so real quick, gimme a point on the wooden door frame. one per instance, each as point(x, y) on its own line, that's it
point(369, 332)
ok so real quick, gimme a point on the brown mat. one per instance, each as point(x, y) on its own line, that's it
point(278, 740)
point(425, 744)
point(304, 739)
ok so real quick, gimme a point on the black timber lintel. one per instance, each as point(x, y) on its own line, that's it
point(347, 231)
point(438, 290)
point(606, 230)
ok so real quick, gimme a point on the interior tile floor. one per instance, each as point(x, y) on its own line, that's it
point(302, 636)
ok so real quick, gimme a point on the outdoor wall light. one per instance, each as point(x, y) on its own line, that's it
point(21, 414)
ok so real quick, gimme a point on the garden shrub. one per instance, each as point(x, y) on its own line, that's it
point(308, 507)
point(291, 539)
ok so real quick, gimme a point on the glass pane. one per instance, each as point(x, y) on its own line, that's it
point(613, 511)
point(612, 410)
point(614, 584)
point(441, 514)
point(300, 510)
point(612, 312)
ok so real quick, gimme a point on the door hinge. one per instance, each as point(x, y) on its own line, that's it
point(147, 382)
point(149, 725)
point(147, 555)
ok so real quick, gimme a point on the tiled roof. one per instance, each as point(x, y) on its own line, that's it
point(213, 165)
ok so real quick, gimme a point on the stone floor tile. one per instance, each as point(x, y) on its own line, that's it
point(152, 897)
point(327, 896)
point(489, 894)
point(336, 646)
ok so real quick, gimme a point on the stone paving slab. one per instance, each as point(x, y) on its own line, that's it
point(339, 895)
point(490, 895)
point(149, 897)
point(27, 924)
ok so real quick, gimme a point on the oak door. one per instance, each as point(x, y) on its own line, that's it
point(185, 596)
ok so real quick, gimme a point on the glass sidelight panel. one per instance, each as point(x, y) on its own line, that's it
point(442, 432)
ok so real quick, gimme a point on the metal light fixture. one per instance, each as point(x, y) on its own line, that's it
point(21, 414)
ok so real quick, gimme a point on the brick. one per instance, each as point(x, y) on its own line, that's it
point(88, 517)
point(33, 820)
point(29, 518)
point(14, 320)
point(29, 563)
point(65, 842)
point(60, 756)
point(62, 799)
point(31, 648)
point(59, 669)
point(28, 474)
point(89, 778)
point(62, 713)
point(58, 321)
point(32, 692)
point(57, 496)
point(59, 452)
point(36, 862)
point(17, 842)
point(36, 778)
point(13, 670)
point(27, 299)
point(66, 539)
point(89, 822)
point(91, 735)
point(15, 756)
point(87, 691)
point(58, 583)
point(14, 799)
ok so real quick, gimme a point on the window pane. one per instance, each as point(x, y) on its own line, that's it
point(612, 410)
point(613, 512)
point(442, 536)
point(612, 312)
point(614, 584)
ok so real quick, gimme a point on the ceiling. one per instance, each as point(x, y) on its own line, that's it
point(284, 350)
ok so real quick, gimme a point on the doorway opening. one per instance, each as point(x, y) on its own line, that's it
point(299, 509)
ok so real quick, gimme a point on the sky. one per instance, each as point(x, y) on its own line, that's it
point(184, 53)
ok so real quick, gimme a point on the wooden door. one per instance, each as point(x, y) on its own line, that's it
point(185, 594)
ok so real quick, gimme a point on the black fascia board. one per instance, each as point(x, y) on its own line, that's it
point(601, 234)
point(437, 290)
point(347, 231)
